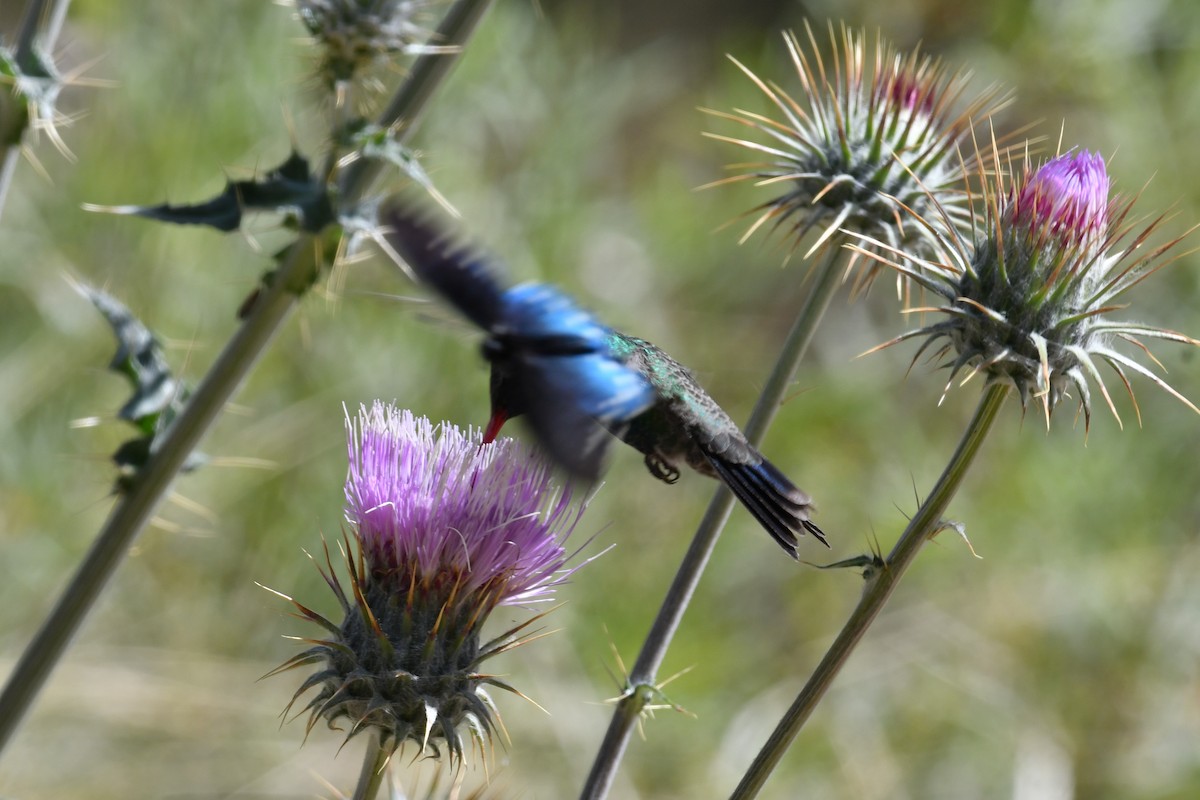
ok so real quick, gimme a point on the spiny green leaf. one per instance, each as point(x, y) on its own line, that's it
point(288, 188)
point(158, 397)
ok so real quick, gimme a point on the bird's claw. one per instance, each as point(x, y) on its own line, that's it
point(661, 469)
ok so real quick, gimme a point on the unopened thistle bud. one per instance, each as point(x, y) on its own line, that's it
point(869, 134)
point(447, 531)
point(358, 35)
point(1027, 297)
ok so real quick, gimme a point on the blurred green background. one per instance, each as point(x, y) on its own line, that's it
point(1065, 663)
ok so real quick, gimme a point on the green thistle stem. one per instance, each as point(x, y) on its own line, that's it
point(604, 768)
point(427, 74)
point(35, 12)
point(9, 155)
point(877, 592)
point(374, 761)
point(249, 342)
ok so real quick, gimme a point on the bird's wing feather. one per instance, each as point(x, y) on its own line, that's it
point(542, 316)
point(594, 384)
point(566, 397)
point(454, 270)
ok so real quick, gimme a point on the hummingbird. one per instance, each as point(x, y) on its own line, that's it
point(553, 356)
point(574, 377)
point(685, 426)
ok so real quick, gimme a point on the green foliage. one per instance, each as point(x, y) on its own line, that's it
point(1069, 651)
point(157, 396)
point(288, 188)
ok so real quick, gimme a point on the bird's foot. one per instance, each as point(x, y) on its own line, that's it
point(661, 469)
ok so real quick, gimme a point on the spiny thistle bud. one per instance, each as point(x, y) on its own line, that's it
point(1027, 298)
point(447, 530)
point(357, 35)
point(29, 88)
point(868, 136)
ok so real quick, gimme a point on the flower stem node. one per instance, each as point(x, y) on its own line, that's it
point(641, 700)
point(447, 530)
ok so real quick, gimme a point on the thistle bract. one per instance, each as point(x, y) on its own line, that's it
point(357, 35)
point(447, 530)
point(31, 86)
point(1028, 294)
point(871, 131)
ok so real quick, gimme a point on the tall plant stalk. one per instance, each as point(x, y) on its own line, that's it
point(642, 679)
point(374, 768)
point(923, 525)
point(266, 316)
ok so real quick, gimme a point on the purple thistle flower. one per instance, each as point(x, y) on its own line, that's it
point(1067, 199)
point(429, 504)
point(446, 530)
point(867, 137)
point(1027, 296)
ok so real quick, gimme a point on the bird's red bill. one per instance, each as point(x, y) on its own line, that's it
point(499, 417)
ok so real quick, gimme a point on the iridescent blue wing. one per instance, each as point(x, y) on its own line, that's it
point(600, 387)
point(561, 370)
point(570, 436)
point(547, 321)
point(554, 336)
point(574, 402)
point(457, 273)
point(572, 387)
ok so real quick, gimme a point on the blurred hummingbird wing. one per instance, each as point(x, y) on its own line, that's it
point(548, 322)
point(567, 350)
point(573, 400)
point(452, 268)
point(570, 437)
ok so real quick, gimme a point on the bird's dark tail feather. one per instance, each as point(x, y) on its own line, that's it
point(774, 501)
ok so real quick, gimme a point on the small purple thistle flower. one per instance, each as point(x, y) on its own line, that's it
point(447, 530)
point(908, 93)
point(871, 132)
point(1066, 198)
point(1027, 296)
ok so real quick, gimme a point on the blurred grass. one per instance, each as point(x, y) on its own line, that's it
point(1065, 661)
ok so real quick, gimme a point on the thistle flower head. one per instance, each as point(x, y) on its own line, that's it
point(358, 35)
point(463, 522)
point(447, 531)
point(871, 131)
point(1064, 203)
point(1027, 296)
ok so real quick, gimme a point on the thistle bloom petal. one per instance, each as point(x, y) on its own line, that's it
point(446, 530)
point(1028, 294)
point(867, 137)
